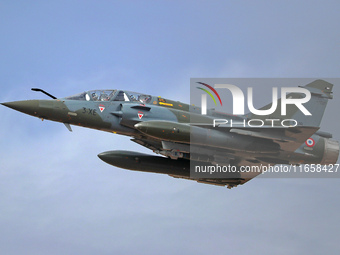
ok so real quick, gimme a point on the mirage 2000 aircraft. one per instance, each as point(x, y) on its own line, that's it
point(179, 132)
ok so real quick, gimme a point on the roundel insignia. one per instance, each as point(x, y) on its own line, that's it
point(310, 142)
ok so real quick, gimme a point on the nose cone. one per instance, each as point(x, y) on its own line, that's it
point(143, 127)
point(112, 157)
point(28, 106)
point(122, 159)
point(105, 156)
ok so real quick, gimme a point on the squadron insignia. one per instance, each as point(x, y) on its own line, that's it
point(101, 108)
point(140, 114)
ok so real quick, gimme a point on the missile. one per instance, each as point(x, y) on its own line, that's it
point(146, 163)
point(179, 168)
point(165, 130)
point(211, 137)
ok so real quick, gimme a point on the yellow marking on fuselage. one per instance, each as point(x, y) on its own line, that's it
point(161, 103)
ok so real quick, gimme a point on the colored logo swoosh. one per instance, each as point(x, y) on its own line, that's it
point(212, 89)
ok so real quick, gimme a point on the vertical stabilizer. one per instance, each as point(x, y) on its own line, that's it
point(320, 91)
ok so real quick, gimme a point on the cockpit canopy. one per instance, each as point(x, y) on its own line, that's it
point(111, 95)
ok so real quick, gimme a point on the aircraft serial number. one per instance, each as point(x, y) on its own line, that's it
point(89, 111)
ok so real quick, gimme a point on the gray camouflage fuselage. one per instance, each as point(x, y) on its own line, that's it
point(179, 132)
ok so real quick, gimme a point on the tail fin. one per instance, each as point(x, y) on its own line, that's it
point(320, 91)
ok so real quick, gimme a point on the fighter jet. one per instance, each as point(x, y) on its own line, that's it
point(184, 137)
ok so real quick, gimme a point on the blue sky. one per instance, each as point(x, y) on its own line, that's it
point(57, 197)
